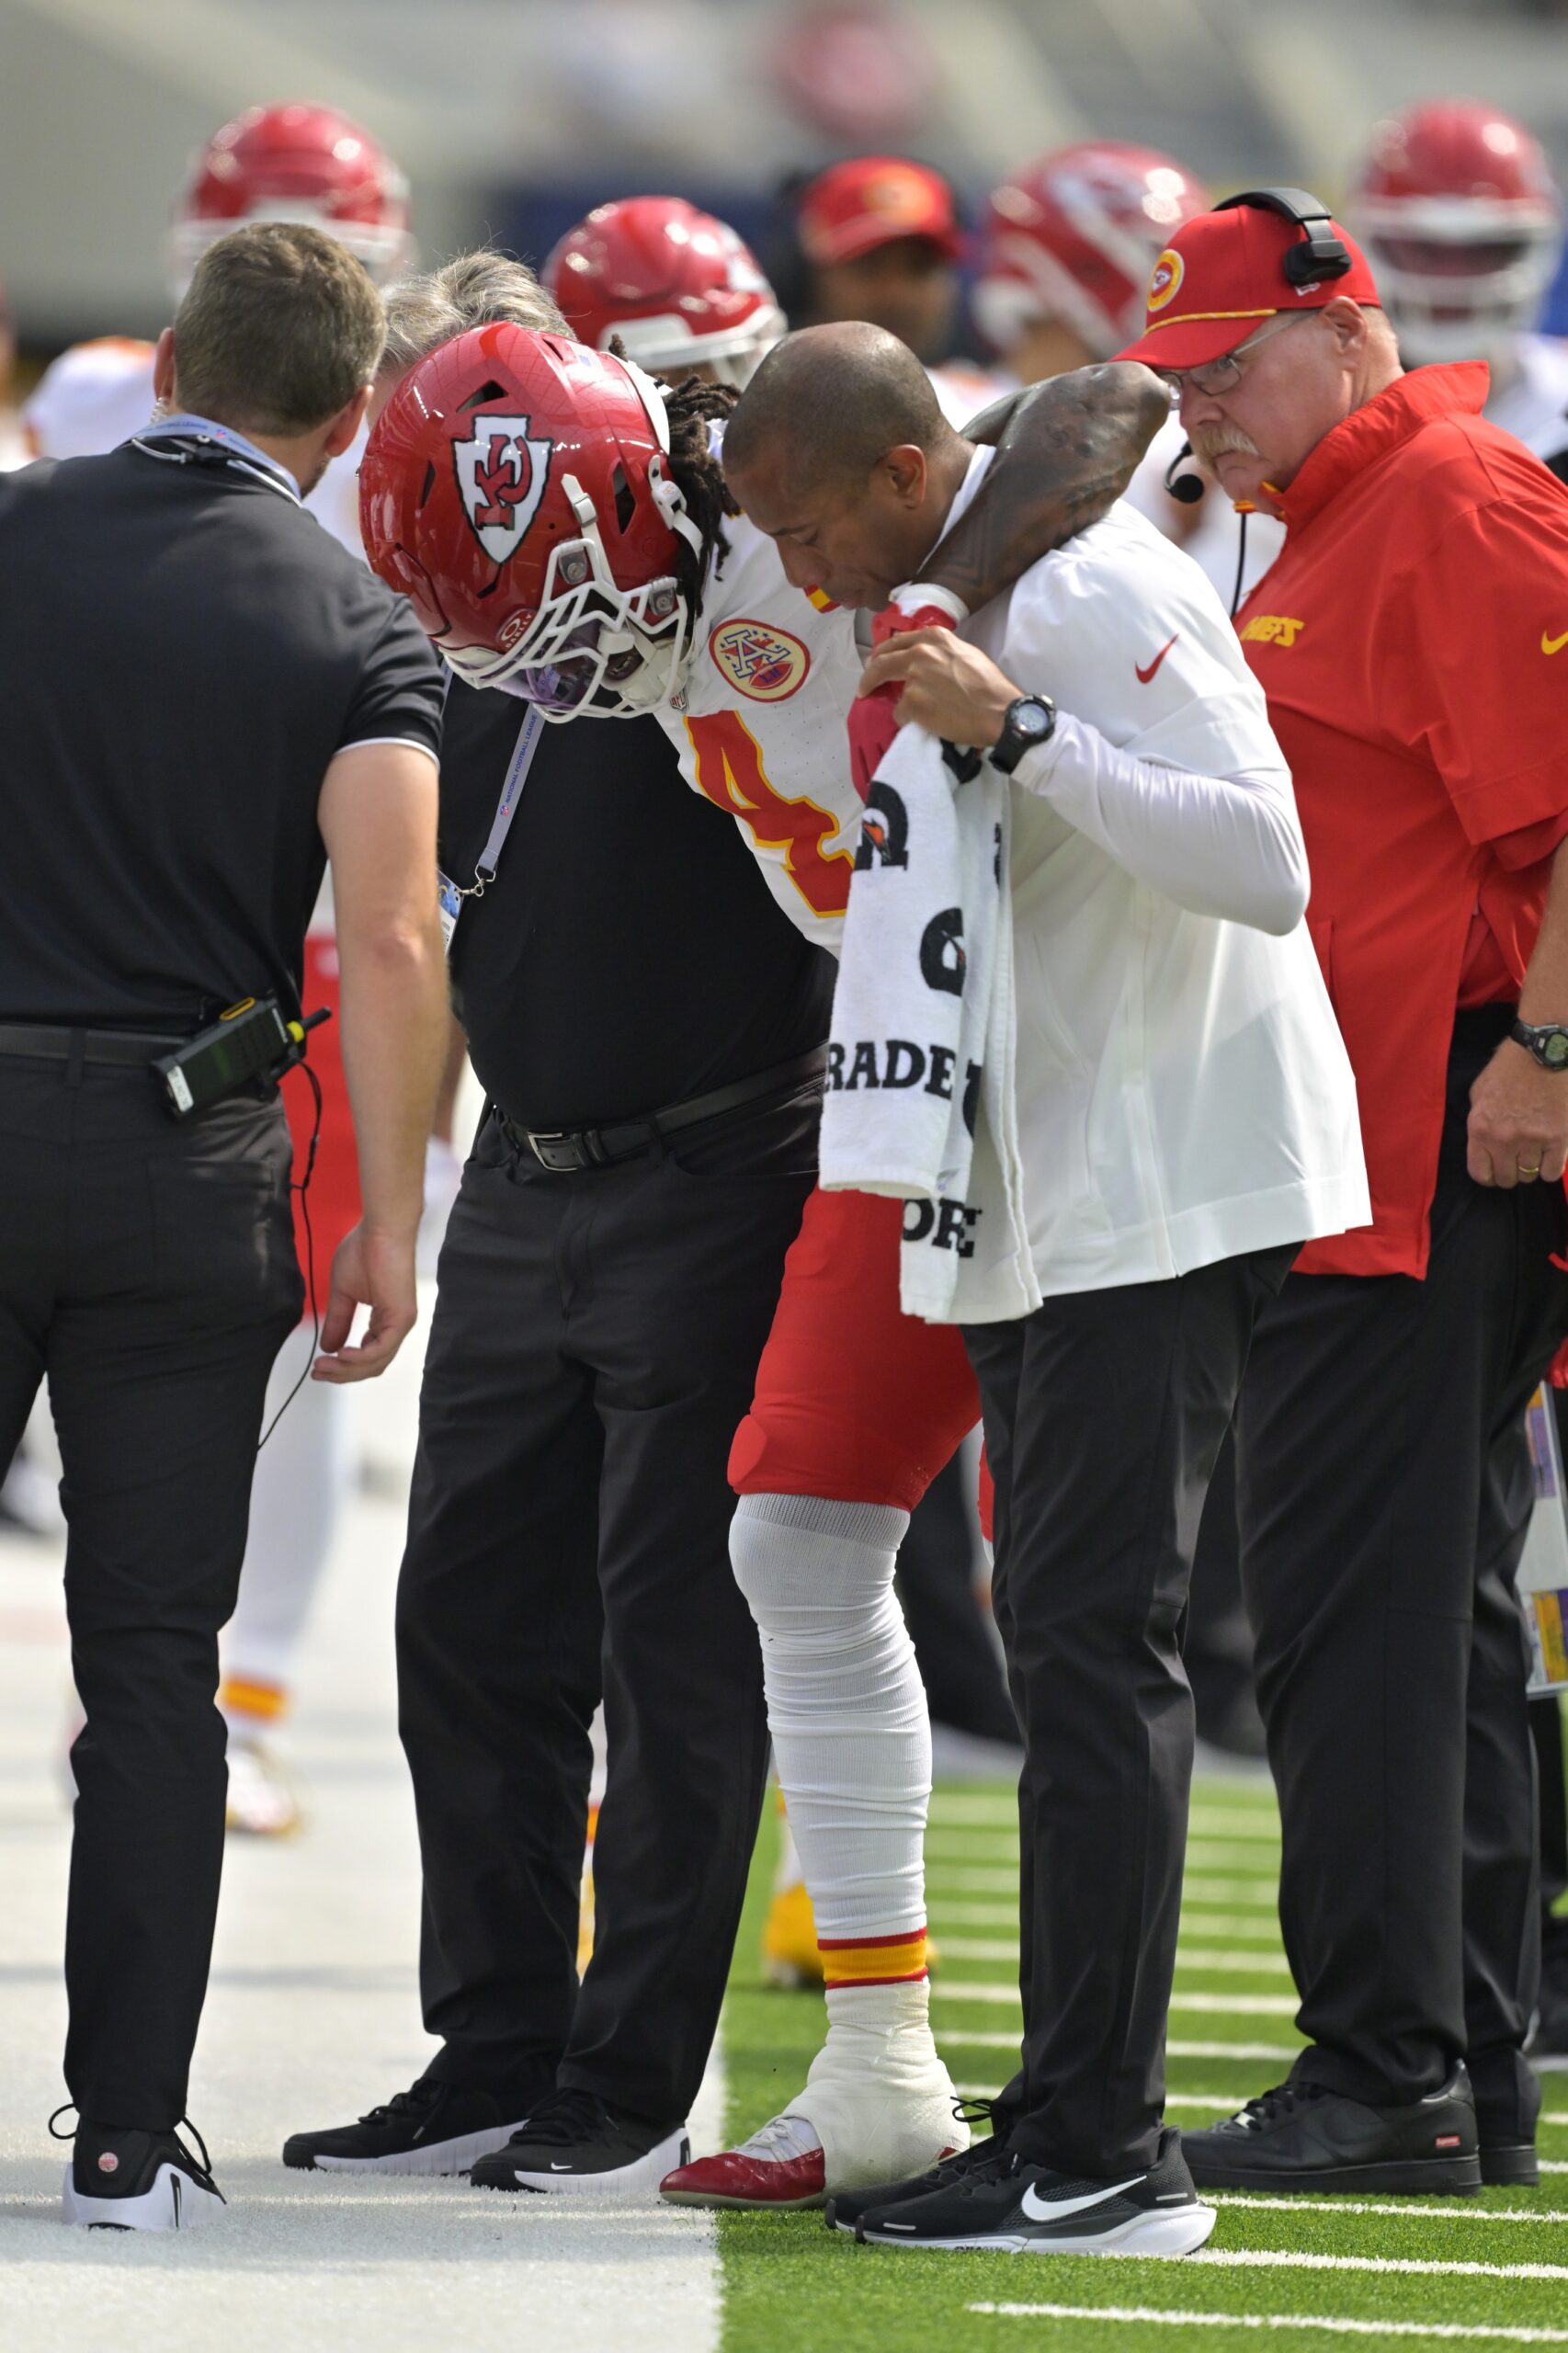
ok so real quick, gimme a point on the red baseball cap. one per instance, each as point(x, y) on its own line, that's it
point(853, 208)
point(1221, 275)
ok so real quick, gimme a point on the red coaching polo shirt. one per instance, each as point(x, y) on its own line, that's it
point(1413, 643)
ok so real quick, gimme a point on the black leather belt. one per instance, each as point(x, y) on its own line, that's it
point(129, 1048)
point(563, 1149)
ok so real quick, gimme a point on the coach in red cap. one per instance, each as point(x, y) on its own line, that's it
point(882, 242)
point(1410, 640)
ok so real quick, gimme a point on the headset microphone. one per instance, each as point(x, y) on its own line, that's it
point(1186, 488)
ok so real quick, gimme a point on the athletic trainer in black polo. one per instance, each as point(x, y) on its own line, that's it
point(204, 696)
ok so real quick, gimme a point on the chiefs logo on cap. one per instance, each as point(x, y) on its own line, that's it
point(501, 476)
point(1165, 280)
point(764, 663)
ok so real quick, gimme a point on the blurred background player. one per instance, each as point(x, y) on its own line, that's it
point(1458, 209)
point(686, 296)
point(276, 163)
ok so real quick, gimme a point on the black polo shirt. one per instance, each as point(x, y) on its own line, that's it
point(629, 953)
point(183, 650)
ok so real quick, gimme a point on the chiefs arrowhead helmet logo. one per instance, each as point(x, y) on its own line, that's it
point(502, 474)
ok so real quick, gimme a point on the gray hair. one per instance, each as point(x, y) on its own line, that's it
point(477, 289)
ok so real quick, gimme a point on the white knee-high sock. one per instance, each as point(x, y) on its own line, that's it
point(846, 1708)
point(302, 1476)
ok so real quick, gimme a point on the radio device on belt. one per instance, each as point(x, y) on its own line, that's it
point(252, 1042)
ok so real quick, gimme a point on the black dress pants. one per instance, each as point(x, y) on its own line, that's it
point(149, 1270)
point(1104, 1413)
point(594, 1345)
point(1385, 1489)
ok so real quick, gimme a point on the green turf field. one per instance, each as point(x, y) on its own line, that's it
point(1294, 2274)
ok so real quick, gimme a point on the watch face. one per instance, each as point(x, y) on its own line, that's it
point(1554, 1048)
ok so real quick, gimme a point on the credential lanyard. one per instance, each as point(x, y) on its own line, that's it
point(452, 895)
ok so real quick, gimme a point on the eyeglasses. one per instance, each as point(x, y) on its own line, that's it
point(1218, 376)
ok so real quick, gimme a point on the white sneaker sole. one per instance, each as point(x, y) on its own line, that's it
point(639, 2179)
point(439, 2157)
point(174, 2202)
point(1146, 2234)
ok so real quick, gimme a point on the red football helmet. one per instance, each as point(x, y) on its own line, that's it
point(1074, 238)
point(677, 286)
point(295, 163)
point(514, 490)
point(1462, 222)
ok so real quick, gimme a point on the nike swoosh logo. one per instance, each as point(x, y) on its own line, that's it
point(1054, 2210)
point(555, 2168)
point(1144, 678)
point(1553, 644)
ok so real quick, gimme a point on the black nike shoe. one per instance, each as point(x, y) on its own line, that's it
point(1303, 2136)
point(120, 2179)
point(1507, 2106)
point(844, 2208)
point(573, 2141)
point(431, 2127)
point(1011, 2206)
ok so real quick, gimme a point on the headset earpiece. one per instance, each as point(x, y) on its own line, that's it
point(1319, 256)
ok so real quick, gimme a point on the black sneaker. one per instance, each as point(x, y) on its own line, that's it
point(1507, 2105)
point(1303, 2136)
point(844, 2208)
point(431, 2127)
point(1011, 2206)
point(119, 2179)
point(575, 2140)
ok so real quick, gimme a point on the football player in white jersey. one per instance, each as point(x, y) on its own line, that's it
point(561, 527)
point(1464, 222)
point(294, 163)
point(1066, 252)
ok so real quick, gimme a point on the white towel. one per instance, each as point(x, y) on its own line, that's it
point(921, 1081)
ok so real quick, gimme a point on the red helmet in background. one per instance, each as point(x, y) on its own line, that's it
point(514, 490)
point(1462, 222)
point(1074, 238)
point(295, 163)
point(677, 286)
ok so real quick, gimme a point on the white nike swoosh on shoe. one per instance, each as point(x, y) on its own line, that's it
point(1053, 2210)
point(555, 2168)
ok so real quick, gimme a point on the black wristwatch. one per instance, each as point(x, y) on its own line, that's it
point(1547, 1040)
point(1026, 724)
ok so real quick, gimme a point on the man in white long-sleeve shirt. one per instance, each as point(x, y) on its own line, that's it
point(1186, 1118)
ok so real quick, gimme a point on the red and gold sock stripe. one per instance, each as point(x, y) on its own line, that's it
point(873, 1961)
point(265, 1701)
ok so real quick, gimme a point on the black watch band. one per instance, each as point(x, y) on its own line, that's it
point(1547, 1040)
point(1027, 724)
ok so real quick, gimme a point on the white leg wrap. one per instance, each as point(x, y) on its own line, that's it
point(845, 1705)
point(877, 2097)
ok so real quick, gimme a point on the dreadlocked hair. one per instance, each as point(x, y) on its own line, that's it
point(692, 406)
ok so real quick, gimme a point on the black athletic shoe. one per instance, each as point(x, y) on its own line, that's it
point(844, 2208)
point(431, 2127)
point(575, 2140)
point(119, 2179)
point(1507, 2104)
point(1011, 2206)
point(1303, 2136)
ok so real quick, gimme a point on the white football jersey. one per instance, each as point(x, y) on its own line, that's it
point(1534, 407)
point(760, 725)
point(97, 394)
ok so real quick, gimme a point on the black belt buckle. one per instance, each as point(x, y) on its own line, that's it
point(559, 1149)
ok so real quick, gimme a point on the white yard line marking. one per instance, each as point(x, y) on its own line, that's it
point(978, 1948)
point(1238, 1894)
point(1267, 1964)
point(1146, 2316)
point(1244, 2005)
point(1212, 1922)
point(1261, 2259)
point(975, 1915)
point(977, 2039)
point(1407, 2210)
point(978, 1882)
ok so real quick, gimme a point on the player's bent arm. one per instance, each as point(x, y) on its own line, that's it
point(1066, 451)
point(377, 814)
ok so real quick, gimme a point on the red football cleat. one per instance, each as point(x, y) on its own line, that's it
point(782, 2165)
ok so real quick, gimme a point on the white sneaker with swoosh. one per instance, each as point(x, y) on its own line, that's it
point(1014, 2207)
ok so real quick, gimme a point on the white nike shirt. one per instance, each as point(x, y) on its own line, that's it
point(97, 394)
point(1183, 1091)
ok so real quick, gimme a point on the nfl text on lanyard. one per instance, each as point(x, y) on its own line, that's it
point(452, 895)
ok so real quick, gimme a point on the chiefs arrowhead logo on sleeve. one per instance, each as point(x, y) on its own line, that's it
point(501, 476)
point(764, 663)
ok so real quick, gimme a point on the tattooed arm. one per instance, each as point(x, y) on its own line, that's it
point(1065, 451)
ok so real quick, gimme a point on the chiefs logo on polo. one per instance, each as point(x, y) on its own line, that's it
point(502, 473)
point(1166, 278)
point(764, 663)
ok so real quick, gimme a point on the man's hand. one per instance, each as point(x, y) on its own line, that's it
point(1519, 1121)
point(1066, 451)
point(949, 687)
point(367, 1270)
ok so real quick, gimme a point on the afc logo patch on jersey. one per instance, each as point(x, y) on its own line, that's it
point(759, 660)
point(502, 474)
